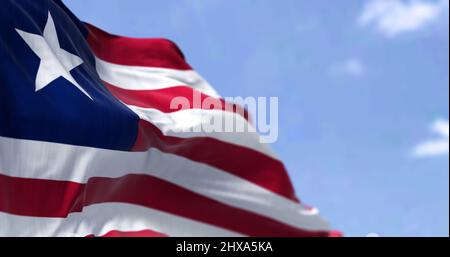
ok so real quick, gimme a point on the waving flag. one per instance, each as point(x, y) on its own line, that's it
point(89, 145)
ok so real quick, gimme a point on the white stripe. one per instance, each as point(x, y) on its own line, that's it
point(147, 78)
point(190, 123)
point(43, 160)
point(102, 218)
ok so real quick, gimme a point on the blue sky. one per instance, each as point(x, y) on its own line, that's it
point(363, 88)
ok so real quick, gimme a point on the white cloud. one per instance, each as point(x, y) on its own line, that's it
point(353, 67)
point(393, 17)
point(438, 146)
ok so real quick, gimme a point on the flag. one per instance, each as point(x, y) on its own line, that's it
point(91, 146)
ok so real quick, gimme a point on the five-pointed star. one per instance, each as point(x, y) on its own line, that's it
point(55, 61)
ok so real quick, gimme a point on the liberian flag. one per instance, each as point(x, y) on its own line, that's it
point(90, 146)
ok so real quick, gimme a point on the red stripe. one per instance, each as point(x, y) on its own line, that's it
point(161, 99)
point(142, 233)
point(160, 53)
point(49, 198)
point(243, 162)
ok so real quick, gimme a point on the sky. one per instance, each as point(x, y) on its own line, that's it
point(363, 89)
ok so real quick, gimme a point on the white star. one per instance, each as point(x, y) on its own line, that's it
point(55, 61)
